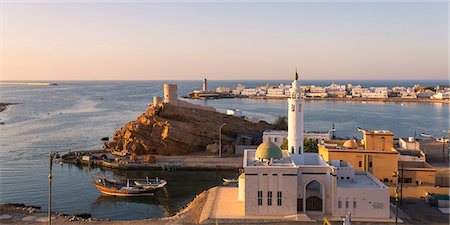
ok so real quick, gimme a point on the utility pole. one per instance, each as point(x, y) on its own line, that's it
point(396, 175)
point(401, 187)
point(50, 189)
point(220, 139)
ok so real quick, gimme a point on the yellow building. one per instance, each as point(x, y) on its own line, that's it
point(376, 153)
point(380, 163)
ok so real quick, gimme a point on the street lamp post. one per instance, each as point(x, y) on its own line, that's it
point(220, 139)
point(50, 176)
point(396, 175)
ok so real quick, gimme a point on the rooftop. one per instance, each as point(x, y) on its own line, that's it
point(361, 180)
point(411, 165)
point(409, 152)
point(384, 132)
point(251, 161)
point(309, 159)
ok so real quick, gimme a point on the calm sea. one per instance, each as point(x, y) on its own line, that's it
point(76, 114)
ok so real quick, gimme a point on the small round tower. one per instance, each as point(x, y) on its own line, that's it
point(170, 94)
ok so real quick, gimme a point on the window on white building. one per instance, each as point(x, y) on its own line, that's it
point(339, 204)
point(346, 204)
point(279, 195)
point(260, 198)
point(354, 203)
point(299, 108)
point(292, 149)
point(269, 198)
point(293, 108)
point(275, 139)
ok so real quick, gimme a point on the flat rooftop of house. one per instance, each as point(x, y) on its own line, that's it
point(407, 139)
point(361, 180)
point(309, 159)
point(409, 152)
point(316, 132)
point(378, 132)
point(276, 131)
point(338, 145)
point(251, 161)
point(409, 165)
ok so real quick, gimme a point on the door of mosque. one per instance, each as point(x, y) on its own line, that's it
point(313, 203)
point(299, 204)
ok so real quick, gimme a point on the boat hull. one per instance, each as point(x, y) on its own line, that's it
point(110, 191)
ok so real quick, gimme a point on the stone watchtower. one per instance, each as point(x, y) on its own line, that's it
point(170, 94)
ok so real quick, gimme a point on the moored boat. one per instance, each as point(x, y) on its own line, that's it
point(129, 189)
point(150, 183)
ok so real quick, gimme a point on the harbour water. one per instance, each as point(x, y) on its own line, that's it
point(77, 114)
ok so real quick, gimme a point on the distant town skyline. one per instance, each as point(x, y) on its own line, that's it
point(223, 41)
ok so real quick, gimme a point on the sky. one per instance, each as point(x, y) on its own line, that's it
point(141, 40)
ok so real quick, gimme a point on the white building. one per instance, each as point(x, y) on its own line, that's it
point(278, 136)
point(279, 91)
point(375, 93)
point(289, 183)
point(425, 94)
point(441, 95)
point(225, 90)
point(249, 91)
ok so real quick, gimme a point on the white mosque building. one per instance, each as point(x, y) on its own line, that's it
point(283, 183)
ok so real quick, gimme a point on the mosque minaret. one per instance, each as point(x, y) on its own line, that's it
point(295, 118)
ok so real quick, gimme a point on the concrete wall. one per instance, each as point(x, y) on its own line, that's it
point(370, 202)
point(271, 179)
point(378, 141)
point(424, 175)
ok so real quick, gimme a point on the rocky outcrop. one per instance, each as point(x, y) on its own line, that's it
point(173, 130)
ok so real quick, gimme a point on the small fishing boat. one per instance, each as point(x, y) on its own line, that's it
point(229, 180)
point(129, 189)
point(150, 183)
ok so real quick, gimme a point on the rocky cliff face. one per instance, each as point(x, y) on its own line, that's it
point(170, 130)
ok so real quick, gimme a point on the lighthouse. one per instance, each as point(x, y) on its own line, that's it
point(295, 118)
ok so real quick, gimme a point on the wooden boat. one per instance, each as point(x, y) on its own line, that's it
point(229, 180)
point(117, 188)
point(150, 183)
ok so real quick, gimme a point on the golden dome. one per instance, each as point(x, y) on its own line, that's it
point(351, 144)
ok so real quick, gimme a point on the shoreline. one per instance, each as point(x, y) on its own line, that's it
point(335, 99)
point(186, 162)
